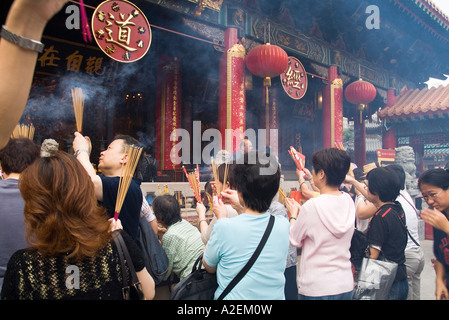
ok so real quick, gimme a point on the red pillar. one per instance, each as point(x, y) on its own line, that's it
point(333, 110)
point(232, 106)
point(388, 135)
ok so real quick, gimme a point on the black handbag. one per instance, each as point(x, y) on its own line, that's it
point(359, 245)
point(131, 290)
point(201, 285)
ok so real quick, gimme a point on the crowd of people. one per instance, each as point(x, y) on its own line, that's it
point(57, 213)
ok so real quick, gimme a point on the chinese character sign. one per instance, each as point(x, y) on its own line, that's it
point(294, 79)
point(121, 30)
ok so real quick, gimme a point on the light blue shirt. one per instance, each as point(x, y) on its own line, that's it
point(231, 245)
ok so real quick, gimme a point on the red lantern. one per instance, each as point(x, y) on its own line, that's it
point(360, 93)
point(267, 61)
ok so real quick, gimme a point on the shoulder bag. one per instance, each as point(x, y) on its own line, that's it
point(201, 285)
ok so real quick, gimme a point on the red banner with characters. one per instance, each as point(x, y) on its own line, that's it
point(168, 111)
point(336, 112)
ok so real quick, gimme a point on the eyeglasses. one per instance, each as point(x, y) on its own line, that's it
point(431, 196)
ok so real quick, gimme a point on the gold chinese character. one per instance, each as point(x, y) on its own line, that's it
point(74, 62)
point(124, 32)
point(48, 58)
point(94, 66)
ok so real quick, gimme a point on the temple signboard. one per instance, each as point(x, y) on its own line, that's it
point(294, 79)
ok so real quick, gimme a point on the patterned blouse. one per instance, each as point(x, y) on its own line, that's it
point(32, 276)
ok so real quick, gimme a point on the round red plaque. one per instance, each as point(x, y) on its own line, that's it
point(294, 79)
point(121, 30)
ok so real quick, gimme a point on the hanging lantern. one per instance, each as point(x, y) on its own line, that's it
point(267, 61)
point(360, 93)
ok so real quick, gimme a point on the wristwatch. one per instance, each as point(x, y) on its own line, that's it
point(23, 42)
point(77, 152)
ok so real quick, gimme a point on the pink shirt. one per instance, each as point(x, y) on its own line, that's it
point(324, 229)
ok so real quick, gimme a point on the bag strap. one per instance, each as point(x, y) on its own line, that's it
point(408, 232)
point(125, 258)
point(125, 286)
point(251, 261)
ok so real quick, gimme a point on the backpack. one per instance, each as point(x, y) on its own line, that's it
point(156, 260)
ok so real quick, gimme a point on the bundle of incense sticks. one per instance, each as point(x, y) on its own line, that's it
point(126, 176)
point(297, 157)
point(217, 176)
point(23, 131)
point(193, 178)
point(339, 145)
point(78, 107)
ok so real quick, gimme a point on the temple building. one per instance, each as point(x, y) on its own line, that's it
point(195, 77)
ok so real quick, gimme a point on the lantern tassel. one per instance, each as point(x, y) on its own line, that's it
point(87, 35)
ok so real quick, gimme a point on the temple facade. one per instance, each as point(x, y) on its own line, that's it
point(194, 78)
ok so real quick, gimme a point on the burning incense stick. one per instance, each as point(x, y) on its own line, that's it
point(78, 107)
point(194, 183)
point(282, 193)
point(23, 131)
point(126, 176)
point(216, 177)
point(225, 179)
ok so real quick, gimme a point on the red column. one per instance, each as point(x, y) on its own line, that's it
point(333, 110)
point(388, 135)
point(232, 107)
point(168, 110)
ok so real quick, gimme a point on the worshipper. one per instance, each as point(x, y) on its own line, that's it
point(387, 235)
point(26, 21)
point(361, 204)
point(106, 185)
point(15, 157)
point(147, 169)
point(181, 241)
point(303, 177)
point(67, 231)
point(414, 255)
point(225, 211)
point(434, 186)
point(323, 228)
point(148, 214)
point(233, 241)
point(245, 146)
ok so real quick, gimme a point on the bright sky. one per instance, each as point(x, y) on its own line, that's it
point(444, 6)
